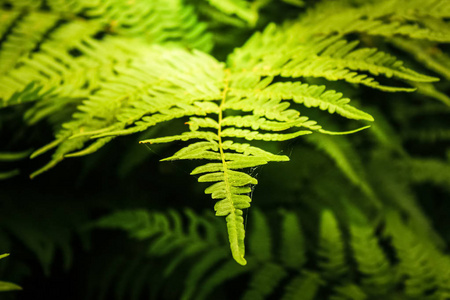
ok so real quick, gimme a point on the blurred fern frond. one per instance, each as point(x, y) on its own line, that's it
point(355, 270)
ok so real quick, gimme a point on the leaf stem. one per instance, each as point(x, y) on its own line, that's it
point(219, 134)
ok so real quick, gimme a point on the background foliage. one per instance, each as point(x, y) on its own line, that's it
point(358, 216)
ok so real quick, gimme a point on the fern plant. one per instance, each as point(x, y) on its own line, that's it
point(95, 71)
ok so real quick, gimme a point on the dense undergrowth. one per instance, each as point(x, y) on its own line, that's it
point(331, 118)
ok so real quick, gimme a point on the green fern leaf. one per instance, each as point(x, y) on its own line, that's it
point(348, 292)
point(292, 242)
point(413, 19)
point(260, 243)
point(371, 260)
point(25, 36)
point(304, 286)
point(331, 251)
point(339, 149)
point(224, 272)
point(207, 262)
point(428, 170)
point(330, 57)
point(415, 257)
point(264, 281)
point(427, 54)
point(243, 9)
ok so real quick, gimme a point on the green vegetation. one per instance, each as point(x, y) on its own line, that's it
point(329, 117)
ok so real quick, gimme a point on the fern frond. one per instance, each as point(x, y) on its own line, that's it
point(391, 185)
point(264, 282)
point(42, 236)
point(163, 90)
point(428, 54)
point(242, 9)
point(331, 251)
point(431, 135)
point(384, 132)
point(167, 234)
point(371, 260)
point(292, 252)
point(60, 6)
point(37, 75)
point(430, 90)
point(157, 22)
point(282, 52)
point(260, 243)
point(197, 272)
point(413, 19)
point(299, 3)
point(225, 272)
point(442, 265)
point(230, 185)
point(27, 32)
point(268, 275)
point(304, 286)
point(302, 93)
point(428, 170)
point(348, 292)
point(146, 88)
point(64, 47)
point(340, 150)
point(415, 258)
